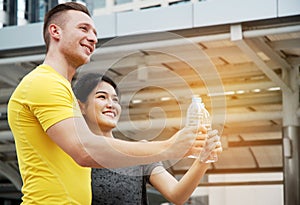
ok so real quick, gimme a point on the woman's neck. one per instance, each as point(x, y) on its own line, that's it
point(102, 132)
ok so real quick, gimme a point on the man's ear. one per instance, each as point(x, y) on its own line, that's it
point(54, 31)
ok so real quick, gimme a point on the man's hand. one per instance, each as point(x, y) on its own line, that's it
point(188, 141)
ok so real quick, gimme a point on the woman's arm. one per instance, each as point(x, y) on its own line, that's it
point(175, 191)
point(179, 192)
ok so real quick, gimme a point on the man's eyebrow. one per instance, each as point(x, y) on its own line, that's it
point(90, 25)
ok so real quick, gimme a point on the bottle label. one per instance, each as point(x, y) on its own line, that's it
point(193, 119)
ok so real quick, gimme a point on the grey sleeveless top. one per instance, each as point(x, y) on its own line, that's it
point(123, 186)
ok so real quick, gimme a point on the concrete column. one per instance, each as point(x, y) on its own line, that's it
point(12, 6)
point(291, 162)
point(291, 139)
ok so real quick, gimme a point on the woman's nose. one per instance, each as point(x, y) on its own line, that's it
point(109, 102)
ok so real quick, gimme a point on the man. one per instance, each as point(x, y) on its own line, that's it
point(54, 145)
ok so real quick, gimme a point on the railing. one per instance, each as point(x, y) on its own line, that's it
point(20, 12)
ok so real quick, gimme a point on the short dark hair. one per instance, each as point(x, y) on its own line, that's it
point(55, 12)
point(84, 85)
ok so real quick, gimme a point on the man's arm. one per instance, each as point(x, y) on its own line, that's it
point(87, 149)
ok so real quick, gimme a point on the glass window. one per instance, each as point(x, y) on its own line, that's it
point(99, 3)
point(122, 1)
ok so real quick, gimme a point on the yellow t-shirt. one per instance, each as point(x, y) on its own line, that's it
point(49, 175)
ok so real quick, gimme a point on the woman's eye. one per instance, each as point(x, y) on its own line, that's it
point(101, 96)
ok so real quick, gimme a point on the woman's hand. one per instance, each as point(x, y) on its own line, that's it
point(212, 149)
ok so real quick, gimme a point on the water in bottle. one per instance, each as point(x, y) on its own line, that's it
point(206, 155)
point(194, 114)
point(205, 117)
point(198, 115)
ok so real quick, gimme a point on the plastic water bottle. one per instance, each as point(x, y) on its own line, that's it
point(205, 119)
point(198, 115)
point(206, 122)
point(193, 116)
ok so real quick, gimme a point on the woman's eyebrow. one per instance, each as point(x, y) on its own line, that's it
point(100, 91)
point(104, 92)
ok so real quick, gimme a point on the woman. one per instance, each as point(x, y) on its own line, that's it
point(98, 99)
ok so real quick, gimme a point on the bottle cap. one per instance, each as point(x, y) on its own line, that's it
point(196, 98)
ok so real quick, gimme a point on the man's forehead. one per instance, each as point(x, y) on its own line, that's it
point(78, 17)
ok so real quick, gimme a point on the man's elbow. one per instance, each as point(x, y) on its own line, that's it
point(83, 159)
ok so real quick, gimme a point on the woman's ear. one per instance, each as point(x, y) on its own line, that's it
point(82, 107)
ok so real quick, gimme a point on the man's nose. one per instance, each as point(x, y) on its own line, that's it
point(92, 37)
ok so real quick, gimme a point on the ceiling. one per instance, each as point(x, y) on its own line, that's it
point(238, 70)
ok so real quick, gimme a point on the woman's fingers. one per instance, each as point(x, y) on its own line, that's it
point(212, 133)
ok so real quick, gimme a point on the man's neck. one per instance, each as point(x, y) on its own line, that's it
point(61, 66)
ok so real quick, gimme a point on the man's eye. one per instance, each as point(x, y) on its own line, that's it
point(83, 28)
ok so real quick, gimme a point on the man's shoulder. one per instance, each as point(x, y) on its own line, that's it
point(45, 76)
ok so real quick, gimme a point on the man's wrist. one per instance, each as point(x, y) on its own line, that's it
point(165, 149)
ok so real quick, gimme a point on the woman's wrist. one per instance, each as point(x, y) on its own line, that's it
point(202, 164)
